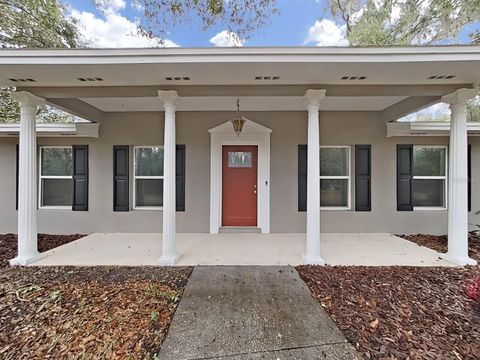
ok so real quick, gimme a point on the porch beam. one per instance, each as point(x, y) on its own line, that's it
point(408, 106)
point(458, 178)
point(244, 90)
point(312, 249)
point(78, 108)
point(27, 179)
point(169, 253)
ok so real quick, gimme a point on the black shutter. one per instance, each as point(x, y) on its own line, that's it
point(121, 174)
point(16, 175)
point(180, 177)
point(404, 177)
point(469, 164)
point(363, 175)
point(80, 178)
point(302, 177)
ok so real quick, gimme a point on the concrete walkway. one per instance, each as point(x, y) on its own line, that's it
point(241, 249)
point(251, 313)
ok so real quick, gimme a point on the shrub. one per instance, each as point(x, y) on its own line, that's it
point(473, 289)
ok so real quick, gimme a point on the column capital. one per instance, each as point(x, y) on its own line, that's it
point(460, 96)
point(26, 98)
point(313, 97)
point(169, 98)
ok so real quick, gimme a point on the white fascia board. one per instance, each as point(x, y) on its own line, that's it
point(427, 128)
point(89, 130)
point(240, 54)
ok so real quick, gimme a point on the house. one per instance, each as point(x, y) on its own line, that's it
point(313, 147)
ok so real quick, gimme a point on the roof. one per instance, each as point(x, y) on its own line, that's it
point(91, 82)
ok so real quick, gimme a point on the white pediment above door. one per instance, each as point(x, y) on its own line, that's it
point(249, 127)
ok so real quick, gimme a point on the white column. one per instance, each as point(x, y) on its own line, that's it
point(169, 252)
point(458, 178)
point(312, 251)
point(27, 180)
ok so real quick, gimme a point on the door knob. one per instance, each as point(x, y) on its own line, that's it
point(254, 191)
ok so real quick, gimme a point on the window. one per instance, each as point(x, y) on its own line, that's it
point(148, 177)
point(335, 177)
point(56, 177)
point(239, 159)
point(429, 182)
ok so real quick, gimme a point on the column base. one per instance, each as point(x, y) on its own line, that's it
point(26, 259)
point(462, 261)
point(313, 260)
point(168, 260)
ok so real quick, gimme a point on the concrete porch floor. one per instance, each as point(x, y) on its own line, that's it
point(137, 249)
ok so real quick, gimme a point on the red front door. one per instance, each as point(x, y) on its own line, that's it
point(239, 185)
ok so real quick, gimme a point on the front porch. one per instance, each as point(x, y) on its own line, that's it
point(139, 249)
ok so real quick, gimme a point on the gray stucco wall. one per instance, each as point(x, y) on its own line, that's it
point(288, 130)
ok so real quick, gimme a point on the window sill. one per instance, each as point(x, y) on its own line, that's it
point(430, 208)
point(330, 208)
point(148, 208)
point(55, 208)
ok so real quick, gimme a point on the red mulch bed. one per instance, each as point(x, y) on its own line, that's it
point(8, 244)
point(439, 243)
point(87, 313)
point(401, 312)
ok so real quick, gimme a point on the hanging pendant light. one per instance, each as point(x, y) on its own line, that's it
point(238, 120)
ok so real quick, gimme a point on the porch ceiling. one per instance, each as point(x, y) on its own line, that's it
point(248, 103)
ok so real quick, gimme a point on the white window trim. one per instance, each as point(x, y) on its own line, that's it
point(444, 177)
point(41, 177)
point(135, 177)
point(348, 177)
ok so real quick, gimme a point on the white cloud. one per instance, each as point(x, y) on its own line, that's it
point(227, 39)
point(111, 6)
point(326, 33)
point(136, 6)
point(113, 30)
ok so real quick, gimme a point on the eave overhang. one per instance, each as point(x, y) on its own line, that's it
point(427, 128)
point(85, 130)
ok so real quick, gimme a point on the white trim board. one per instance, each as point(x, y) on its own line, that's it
point(88, 130)
point(253, 134)
point(427, 128)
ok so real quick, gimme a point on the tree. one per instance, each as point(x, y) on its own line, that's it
point(408, 22)
point(36, 24)
point(241, 17)
point(404, 22)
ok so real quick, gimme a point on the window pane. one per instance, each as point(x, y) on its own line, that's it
point(429, 161)
point(428, 192)
point(333, 162)
point(57, 192)
point(57, 161)
point(149, 161)
point(334, 192)
point(239, 159)
point(149, 192)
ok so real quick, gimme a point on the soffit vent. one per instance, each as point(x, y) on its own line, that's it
point(440, 77)
point(177, 78)
point(91, 79)
point(22, 80)
point(358, 77)
point(267, 78)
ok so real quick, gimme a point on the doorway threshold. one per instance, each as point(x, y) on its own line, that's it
point(240, 229)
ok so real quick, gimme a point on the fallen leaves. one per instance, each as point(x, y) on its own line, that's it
point(8, 244)
point(400, 312)
point(95, 312)
point(439, 243)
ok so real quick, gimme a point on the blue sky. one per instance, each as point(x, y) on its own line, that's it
point(300, 22)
